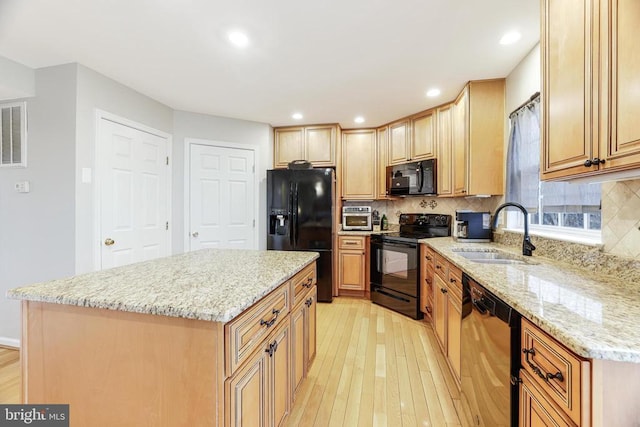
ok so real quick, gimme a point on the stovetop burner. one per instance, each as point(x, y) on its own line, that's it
point(414, 227)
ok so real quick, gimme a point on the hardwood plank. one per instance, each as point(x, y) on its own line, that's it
point(10, 384)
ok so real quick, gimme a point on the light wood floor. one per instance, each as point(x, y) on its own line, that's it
point(373, 368)
point(9, 376)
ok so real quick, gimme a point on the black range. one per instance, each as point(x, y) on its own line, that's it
point(395, 269)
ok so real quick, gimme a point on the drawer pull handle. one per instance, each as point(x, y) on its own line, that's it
point(269, 323)
point(558, 375)
point(351, 243)
point(428, 257)
point(427, 280)
point(273, 347)
point(443, 290)
point(452, 280)
point(438, 266)
point(308, 302)
point(308, 283)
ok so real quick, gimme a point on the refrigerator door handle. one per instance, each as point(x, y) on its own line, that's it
point(295, 215)
point(291, 216)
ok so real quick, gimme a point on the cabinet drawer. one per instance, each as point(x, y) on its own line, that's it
point(454, 282)
point(557, 371)
point(429, 256)
point(442, 267)
point(245, 333)
point(302, 282)
point(351, 242)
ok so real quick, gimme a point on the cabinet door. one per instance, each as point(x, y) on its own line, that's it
point(454, 319)
point(311, 326)
point(567, 79)
point(351, 265)
point(289, 146)
point(459, 144)
point(358, 165)
point(445, 160)
point(279, 395)
point(426, 277)
point(622, 144)
point(440, 311)
point(398, 142)
point(423, 136)
point(320, 145)
point(247, 393)
point(298, 356)
point(536, 410)
point(381, 171)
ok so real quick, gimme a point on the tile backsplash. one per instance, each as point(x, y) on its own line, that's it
point(621, 218)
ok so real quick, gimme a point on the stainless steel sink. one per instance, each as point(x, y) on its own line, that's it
point(492, 256)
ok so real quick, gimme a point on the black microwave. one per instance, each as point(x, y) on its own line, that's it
point(415, 178)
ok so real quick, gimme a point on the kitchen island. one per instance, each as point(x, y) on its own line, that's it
point(198, 339)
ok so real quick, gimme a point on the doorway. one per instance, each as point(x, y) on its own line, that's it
point(133, 180)
point(221, 196)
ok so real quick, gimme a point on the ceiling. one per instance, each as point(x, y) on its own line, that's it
point(331, 60)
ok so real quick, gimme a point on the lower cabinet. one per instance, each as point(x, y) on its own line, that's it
point(353, 266)
point(535, 408)
point(447, 311)
point(427, 257)
point(303, 330)
point(260, 392)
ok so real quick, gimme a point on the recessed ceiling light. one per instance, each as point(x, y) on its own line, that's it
point(510, 38)
point(238, 38)
point(297, 116)
point(433, 92)
point(359, 119)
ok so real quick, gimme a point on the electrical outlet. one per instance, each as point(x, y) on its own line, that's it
point(22, 186)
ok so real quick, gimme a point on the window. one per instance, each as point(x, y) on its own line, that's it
point(559, 209)
point(13, 134)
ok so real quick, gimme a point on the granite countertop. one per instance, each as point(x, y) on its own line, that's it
point(596, 316)
point(209, 284)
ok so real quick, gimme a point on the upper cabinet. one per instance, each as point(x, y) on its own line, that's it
point(381, 168)
point(398, 142)
point(413, 139)
point(478, 139)
point(317, 144)
point(590, 71)
point(359, 164)
point(444, 147)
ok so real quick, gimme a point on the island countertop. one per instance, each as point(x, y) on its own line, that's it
point(209, 284)
point(593, 315)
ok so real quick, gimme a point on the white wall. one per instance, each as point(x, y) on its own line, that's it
point(524, 80)
point(97, 92)
point(212, 128)
point(16, 80)
point(37, 229)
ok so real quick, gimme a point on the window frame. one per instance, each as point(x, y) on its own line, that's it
point(514, 223)
point(23, 134)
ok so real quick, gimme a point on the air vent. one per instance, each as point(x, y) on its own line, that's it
point(13, 134)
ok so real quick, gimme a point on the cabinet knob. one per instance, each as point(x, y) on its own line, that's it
point(593, 162)
point(443, 290)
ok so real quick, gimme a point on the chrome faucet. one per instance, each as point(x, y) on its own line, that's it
point(527, 246)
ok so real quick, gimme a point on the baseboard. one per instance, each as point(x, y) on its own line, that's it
point(9, 342)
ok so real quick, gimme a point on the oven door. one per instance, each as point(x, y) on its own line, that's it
point(398, 266)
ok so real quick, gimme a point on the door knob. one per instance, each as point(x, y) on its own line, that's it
point(109, 241)
point(195, 234)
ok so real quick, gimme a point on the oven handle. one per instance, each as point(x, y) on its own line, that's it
point(399, 245)
point(390, 295)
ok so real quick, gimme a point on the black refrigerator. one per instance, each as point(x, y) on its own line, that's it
point(300, 217)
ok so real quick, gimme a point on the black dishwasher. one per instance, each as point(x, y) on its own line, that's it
point(490, 350)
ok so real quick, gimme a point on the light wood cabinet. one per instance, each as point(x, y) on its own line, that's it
point(590, 67)
point(448, 312)
point(478, 139)
point(317, 144)
point(398, 142)
point(535, 410)
point(427, 259)
point(381, 168)
point(359, 164)
point(444, 141)
point(303, 331)
point(260, 392)
point(423, 136)
point(352, 265)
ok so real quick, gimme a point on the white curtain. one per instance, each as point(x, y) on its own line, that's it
point(523, 171)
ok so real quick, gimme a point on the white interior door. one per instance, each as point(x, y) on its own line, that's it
point(134, 180)
point(221, 197)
